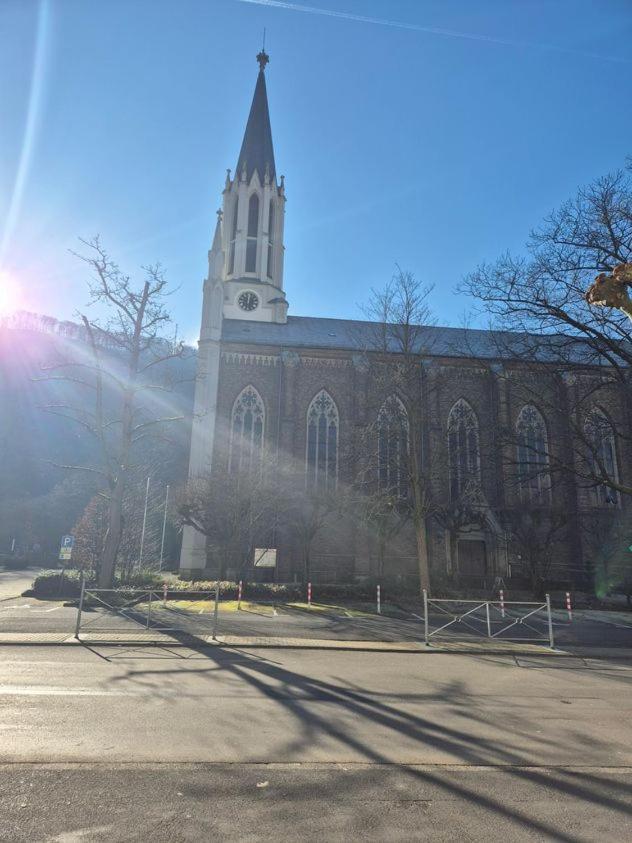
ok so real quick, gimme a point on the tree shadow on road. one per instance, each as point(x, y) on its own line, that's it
point(351, 714)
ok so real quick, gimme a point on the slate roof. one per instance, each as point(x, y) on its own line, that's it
point(256, 148)
point(434, 341)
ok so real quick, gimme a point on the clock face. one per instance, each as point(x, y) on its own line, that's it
point(248, 300)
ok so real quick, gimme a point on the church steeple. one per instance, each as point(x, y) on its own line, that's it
point(247, 254)
point(257, 152)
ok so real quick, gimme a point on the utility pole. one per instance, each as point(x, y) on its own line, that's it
point(142, 536)
point(164, 525)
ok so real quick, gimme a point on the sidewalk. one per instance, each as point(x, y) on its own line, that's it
point(153, 638)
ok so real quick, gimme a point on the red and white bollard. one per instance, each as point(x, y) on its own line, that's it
point(239, 593)
point(164, 595)
point(568, 606)
point(502, 603)
point(309, 595)
point(379, 600)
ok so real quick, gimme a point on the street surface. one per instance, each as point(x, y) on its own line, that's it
point(183, 743)
point(125, 743)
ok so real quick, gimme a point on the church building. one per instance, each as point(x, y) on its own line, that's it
point(301, 387)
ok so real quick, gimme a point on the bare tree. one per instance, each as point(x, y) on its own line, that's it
point(541, 317)
point(125, 372)
point(396, 350)
point(384, 515)
point(89, 532)
point(309, 511)
point(233, 511)
point(537, 536)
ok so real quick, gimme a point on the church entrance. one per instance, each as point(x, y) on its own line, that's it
point(472, 561)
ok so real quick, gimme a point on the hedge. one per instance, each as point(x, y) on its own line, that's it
point(67, 583)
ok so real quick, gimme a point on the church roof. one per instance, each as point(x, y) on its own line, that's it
point(433, 341)
point(256, 148)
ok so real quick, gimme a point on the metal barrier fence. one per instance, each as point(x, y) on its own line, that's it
point(143, 610)
point(491, 619)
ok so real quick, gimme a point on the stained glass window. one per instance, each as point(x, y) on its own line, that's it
point(463, 448)
point(533, 456)
point(602, 457)
point(392, 445)
point(246, 432)
point(322, 441)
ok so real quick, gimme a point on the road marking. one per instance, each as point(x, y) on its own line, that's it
point(57, 691)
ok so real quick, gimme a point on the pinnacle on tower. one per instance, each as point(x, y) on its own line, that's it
point(257, 152)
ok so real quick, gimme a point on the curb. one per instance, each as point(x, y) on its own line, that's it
point(233, 641)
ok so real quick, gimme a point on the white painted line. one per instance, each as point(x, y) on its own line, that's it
point(57, 691)
point(419, 617)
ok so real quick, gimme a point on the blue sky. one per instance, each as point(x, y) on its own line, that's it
point(431, 149)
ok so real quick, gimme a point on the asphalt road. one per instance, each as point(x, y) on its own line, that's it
point(124, 743)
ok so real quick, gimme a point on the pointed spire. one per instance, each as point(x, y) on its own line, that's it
point(257, 152)
point(217, 239)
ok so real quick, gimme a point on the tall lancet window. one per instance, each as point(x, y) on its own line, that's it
point(532, 456)
point(392, 448)
point(253, 231)
point(602, 457)
point(246, 432)
point(271, 240)
point(322, 442)
point(233, 237)
point(463, 448)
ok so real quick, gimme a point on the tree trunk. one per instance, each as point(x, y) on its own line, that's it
point(113, 536)
point(306, 565)
point(421, 537)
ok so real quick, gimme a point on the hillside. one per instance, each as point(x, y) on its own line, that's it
point(39, 500)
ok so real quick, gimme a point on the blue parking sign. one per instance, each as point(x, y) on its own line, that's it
point(65, 551)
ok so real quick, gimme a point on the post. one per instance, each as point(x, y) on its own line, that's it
point(489, 625)
point(309, 595)
point(426, 636)
point(239, 592)
point(548, 612)
point(216, 610)
point(568, 606)
point(502, 603)
point(379, 601)
point(142, 535)
point(164, 526)
point(151, 594)
point(80, 607)
point(164, 595)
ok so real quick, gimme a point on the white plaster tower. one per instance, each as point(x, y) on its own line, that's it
point(245, 279)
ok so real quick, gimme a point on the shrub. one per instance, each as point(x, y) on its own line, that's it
point(66, 584)
point(57, 584)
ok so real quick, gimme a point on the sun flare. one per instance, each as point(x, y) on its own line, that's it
point(9, 294)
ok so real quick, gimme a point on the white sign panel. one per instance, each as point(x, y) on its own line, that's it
point(65, 551)
point(265, 557)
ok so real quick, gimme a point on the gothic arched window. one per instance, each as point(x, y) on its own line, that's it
point(602, 457)
point(246, 432)
point(233, 237)
point(532, 452)
point(392, 448)
point(271, 239)
point(253, 231)
point(322, 441)
point(463, 449)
